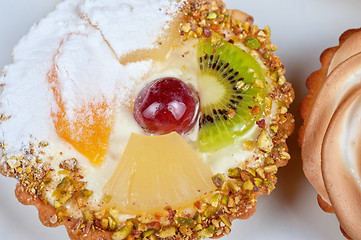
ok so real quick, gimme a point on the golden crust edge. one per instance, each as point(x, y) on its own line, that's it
point(46, 212)
point(314, 83)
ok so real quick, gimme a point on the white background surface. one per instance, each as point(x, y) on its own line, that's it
point(301, 29)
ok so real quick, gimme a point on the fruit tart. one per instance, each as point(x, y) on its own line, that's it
point(144, 119)
point(330, 135)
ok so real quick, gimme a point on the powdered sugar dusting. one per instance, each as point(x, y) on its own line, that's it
point(85, 58)
point(86, 70)
point(136, 24)
point(132, 71)
point(26, 93)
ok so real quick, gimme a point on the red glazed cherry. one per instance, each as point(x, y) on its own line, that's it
point(166, 105)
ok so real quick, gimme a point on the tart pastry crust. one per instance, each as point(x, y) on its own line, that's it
point(312, 163)
point(236, 191)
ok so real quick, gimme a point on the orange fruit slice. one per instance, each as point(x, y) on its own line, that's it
point(155, 172)
point(89, 126)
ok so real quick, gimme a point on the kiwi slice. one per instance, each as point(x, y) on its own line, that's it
point(232, 93)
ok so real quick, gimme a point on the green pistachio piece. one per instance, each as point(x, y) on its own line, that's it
point(129, 224)
point(218, 180)
point(234, 173)
point(197, 217)
point(121, 234)
point(112, 223)
point(233, 186)
point(271, 168)
point(210, 211)
point(267, 29)
point(270, 161)
point(274, 75)
point(269, 185)
point(167, 232)
point(248, 186)
point(148, 233)
point(198, 227)
point(226, 220)
point(186, 231)
point(64, 198)
point(252, 43)
point(224, 200)
point(215, 199)
point(260, 172)
point(251, 171)
point(61, 184)
point(258, 182)
point(266, 55)
point(88, 216)
point(186, 222)
point(207, 232)
point(104, 223)
point(211, 15)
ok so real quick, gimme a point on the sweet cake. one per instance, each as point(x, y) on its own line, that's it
point(144, 119)
point(330, 135)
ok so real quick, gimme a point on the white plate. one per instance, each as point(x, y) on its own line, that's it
point(301, 29)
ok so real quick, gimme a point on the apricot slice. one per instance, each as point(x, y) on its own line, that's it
point(155, 172)
point(87, 125)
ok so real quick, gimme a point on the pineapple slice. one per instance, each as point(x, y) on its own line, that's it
point(155, 172)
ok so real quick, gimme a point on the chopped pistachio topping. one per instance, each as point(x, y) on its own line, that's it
point(219, 180)
point(234, 172)
point(148, 233)
point(264, 141)
point(248, 186)
point(121, 234)
point(260, 172)
point(252, 43)
point(226, 221)
point(211, 15)
point(207, 232)
point(258, 182)
point(167, 232)
point(112, 223)
point(215, 199)
point(271, 168)
point(188, 222)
